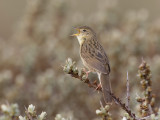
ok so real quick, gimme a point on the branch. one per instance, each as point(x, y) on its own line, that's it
point(123, 106)
point(128, 96)
point(71, 69)
point(87, 81)
point(117, 100)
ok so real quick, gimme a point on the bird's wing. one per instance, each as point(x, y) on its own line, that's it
point(95, 56)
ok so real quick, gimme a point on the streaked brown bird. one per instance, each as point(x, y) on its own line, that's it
point(94, 58)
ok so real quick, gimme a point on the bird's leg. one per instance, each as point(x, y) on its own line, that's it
point(99, 86)
point(86, 72)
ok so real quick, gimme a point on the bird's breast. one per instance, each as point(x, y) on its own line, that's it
point(85, 61)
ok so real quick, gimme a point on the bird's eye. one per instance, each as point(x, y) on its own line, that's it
point(84, 30)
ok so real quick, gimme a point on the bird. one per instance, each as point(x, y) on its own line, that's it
point(94, 58)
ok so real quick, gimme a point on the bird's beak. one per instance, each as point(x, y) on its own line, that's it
point(76, 33)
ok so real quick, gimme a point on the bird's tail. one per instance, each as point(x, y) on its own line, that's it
point(106, 87)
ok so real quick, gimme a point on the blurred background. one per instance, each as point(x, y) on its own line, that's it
point(35, 43)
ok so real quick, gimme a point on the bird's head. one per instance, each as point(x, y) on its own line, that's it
point(84, 33)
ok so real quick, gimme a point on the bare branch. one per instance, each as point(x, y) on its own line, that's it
point(145, 118)
point(128, 95)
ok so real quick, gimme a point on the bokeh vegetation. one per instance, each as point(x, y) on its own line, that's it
point(31, 60)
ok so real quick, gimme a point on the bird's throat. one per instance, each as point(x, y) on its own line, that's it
point(80, 39)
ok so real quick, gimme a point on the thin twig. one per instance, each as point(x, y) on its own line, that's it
point(145, 118)
point(150, 109)
point(128, 95)
point(101, 104)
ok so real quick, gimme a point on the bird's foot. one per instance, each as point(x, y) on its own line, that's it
point(86, 72)
point(99, 87)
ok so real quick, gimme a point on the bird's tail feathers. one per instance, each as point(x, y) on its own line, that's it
point(106, 87)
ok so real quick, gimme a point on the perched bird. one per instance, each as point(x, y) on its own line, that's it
point(94, 58)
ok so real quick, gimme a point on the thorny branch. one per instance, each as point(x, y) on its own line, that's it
point(73, 71)
point(116, 99)
point(144, 73)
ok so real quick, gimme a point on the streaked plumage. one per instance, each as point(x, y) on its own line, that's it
point(94, 58)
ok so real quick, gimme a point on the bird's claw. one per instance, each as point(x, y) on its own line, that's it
point(99, 87)
point(86, 72)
